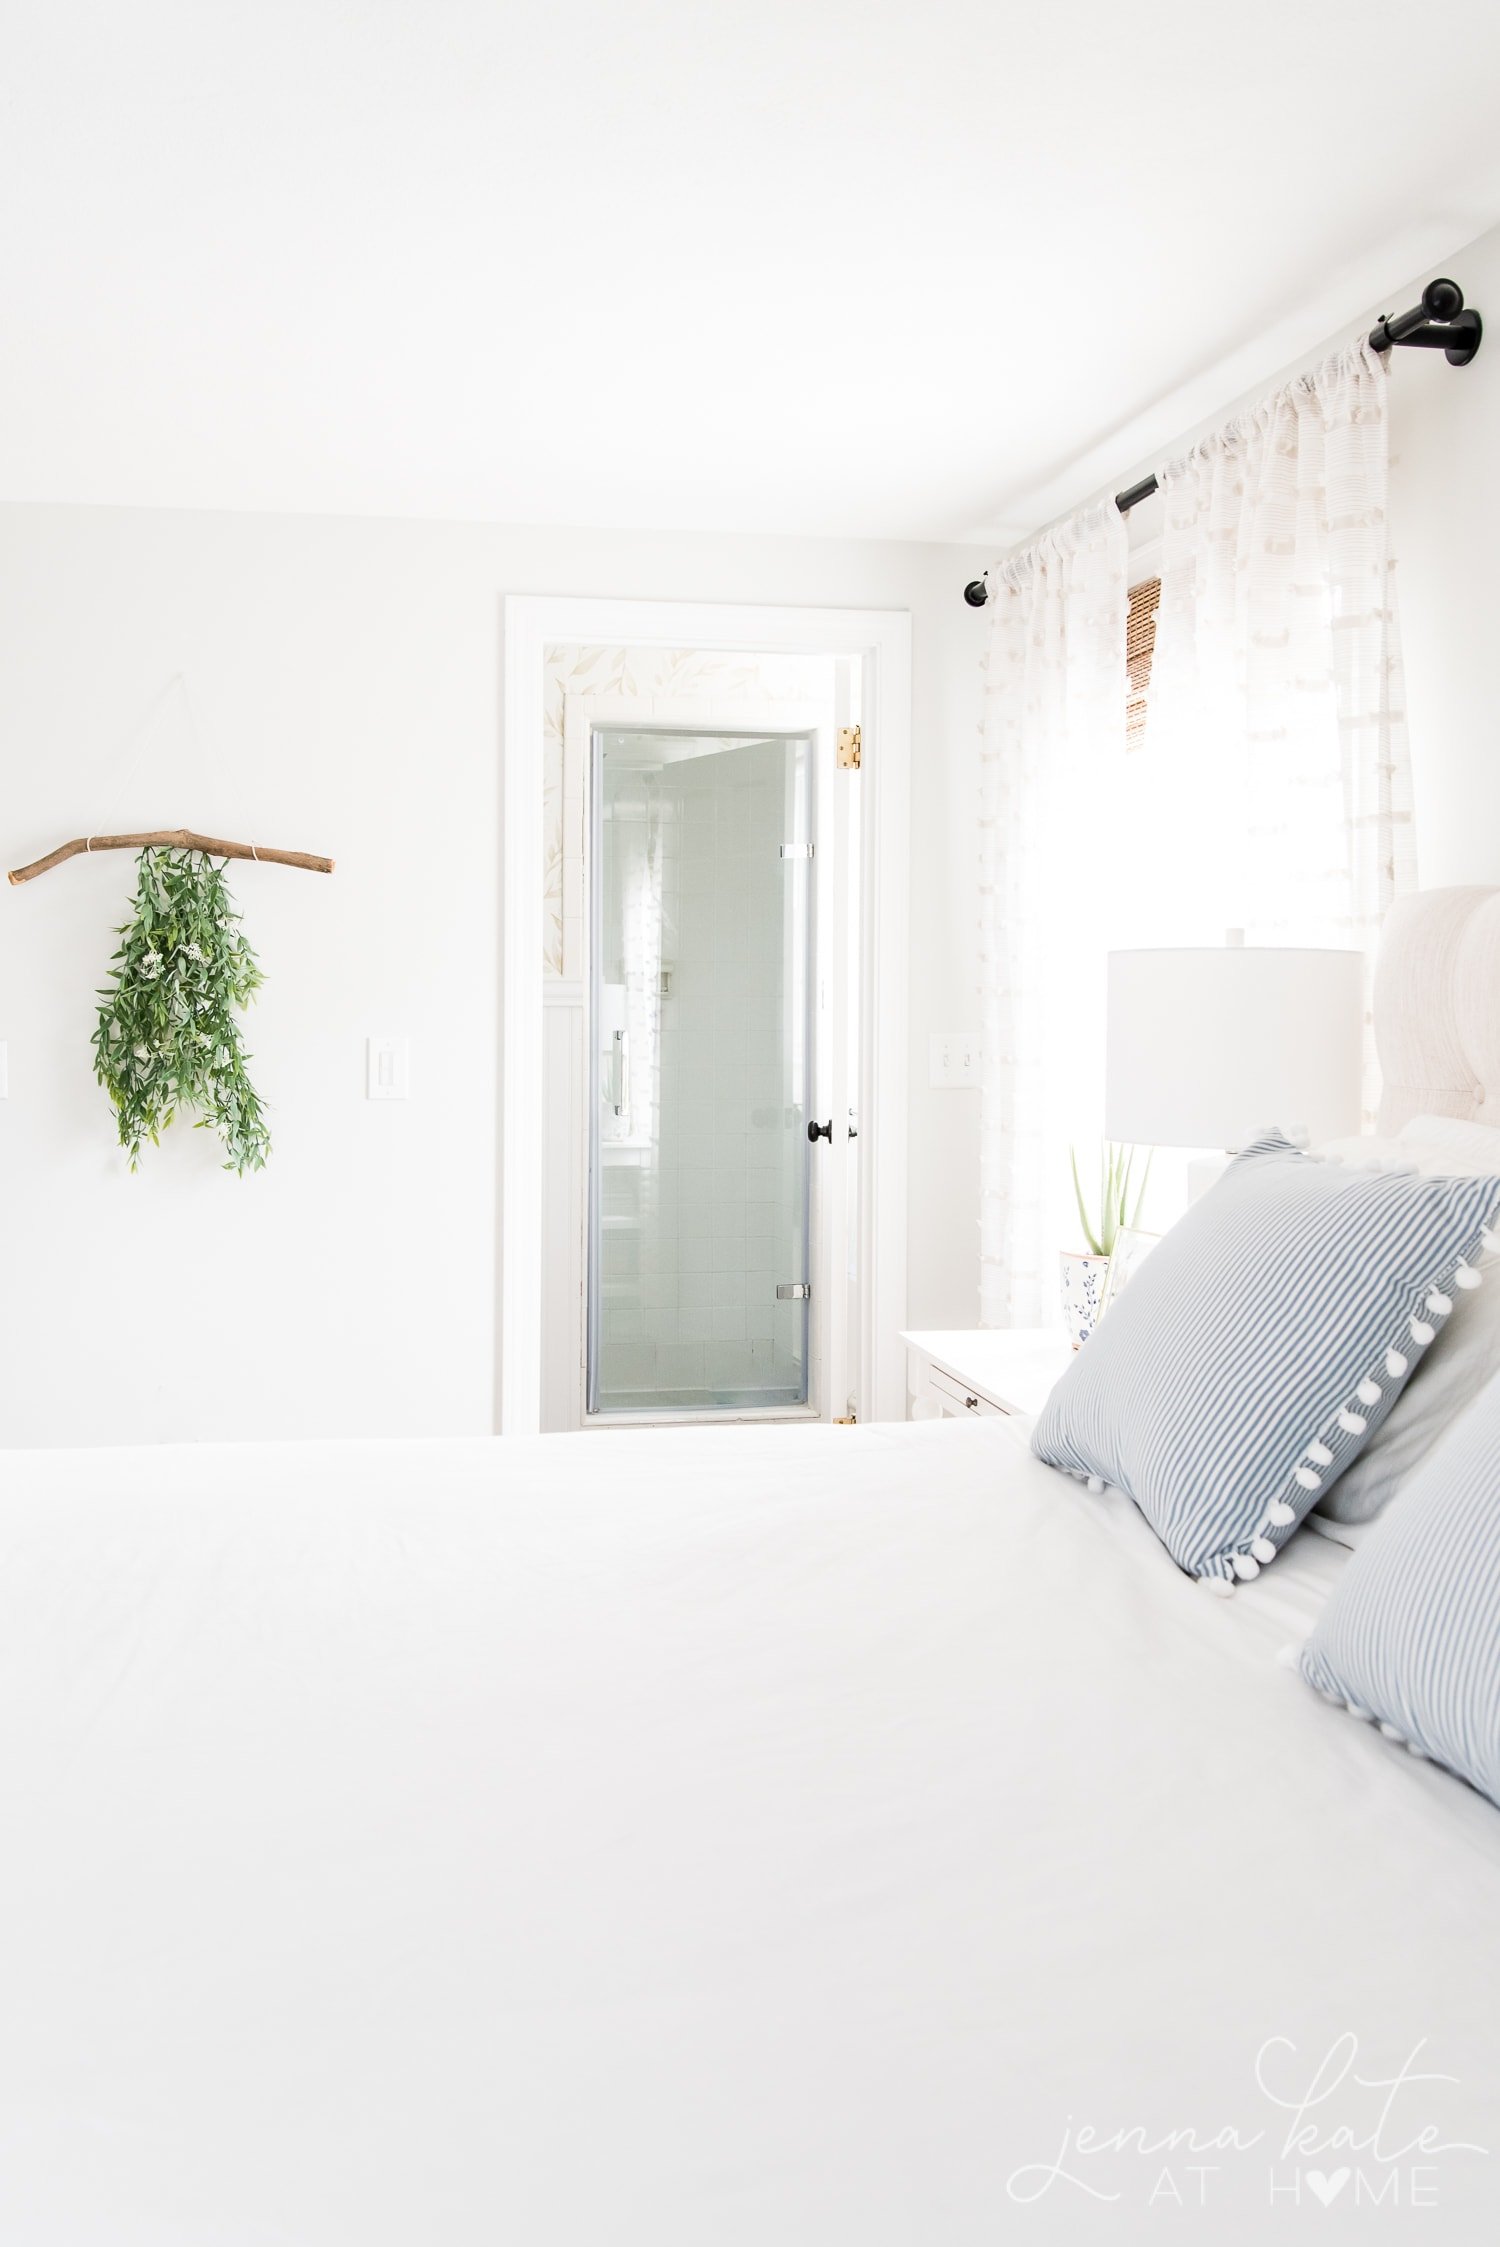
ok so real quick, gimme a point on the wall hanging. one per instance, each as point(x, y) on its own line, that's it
point(168, 1039)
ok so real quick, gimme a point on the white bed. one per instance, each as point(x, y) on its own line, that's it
point(718, 1838)
point(712, 1837)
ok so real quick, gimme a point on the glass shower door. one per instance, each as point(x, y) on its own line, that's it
point(702, 1027)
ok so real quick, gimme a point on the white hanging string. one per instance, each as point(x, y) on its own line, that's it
point(127, 756)
point(197, 737)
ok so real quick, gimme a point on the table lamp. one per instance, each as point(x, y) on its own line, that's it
point(1208, 1044)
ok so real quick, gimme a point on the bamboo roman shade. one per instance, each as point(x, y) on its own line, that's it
point(1140, 643)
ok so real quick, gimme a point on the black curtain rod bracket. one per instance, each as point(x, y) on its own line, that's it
point(1439, 323)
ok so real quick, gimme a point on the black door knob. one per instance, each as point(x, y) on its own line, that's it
point(816, 1131)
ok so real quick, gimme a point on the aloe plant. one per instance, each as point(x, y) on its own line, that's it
point(1117, 1212)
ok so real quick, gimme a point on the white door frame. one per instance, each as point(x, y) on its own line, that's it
point(881, 640)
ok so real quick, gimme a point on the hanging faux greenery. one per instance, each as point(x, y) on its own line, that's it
point(167, 1036)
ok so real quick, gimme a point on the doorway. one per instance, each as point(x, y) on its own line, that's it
point(653, 1240)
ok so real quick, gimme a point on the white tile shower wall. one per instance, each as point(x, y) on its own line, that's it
point(697, 686)
point(701, 1235)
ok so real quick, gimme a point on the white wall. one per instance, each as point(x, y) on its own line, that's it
point(346, 680)
point(1445, 499)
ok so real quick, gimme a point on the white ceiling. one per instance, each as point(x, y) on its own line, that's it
point(879, 267)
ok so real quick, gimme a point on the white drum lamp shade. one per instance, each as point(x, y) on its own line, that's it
point(1207, 1046)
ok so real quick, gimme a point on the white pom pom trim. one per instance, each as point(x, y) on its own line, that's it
point(1095, 1483)
point(1288, 1657)
point(1221, 1586)
point(1368, 1392)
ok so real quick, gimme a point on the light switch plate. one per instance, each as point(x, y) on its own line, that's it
point(954, 1059)
point(387, 1068)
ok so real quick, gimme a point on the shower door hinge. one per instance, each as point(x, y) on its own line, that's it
point(792, 1291)
point(848, 749)
point(796, 850)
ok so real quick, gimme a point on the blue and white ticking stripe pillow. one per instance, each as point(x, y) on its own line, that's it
point(1411, 1637)
point(1258, 1344)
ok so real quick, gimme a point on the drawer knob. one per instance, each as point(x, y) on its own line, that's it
point(972, 1403)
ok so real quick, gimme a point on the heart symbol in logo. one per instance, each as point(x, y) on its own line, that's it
point(1327, 2188)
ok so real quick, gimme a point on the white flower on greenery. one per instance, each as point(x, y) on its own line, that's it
point(159, 1055)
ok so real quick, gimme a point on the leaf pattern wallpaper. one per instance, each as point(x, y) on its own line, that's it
point(654, 677)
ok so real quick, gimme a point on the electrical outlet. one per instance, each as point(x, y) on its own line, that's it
point(387, 1069)
point(954, 1059)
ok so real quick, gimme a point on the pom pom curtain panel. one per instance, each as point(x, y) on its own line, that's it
point(1270, 789)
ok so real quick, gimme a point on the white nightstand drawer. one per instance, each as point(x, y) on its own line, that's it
point(955, 1394)
point(986, 1373)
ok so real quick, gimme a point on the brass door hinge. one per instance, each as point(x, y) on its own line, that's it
point(848, 749)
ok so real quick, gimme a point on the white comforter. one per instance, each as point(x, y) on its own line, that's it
point(746, 1838)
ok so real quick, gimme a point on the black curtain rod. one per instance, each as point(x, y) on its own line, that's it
point(1439, 323)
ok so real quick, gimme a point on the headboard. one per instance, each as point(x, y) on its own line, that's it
point(1437, 1007)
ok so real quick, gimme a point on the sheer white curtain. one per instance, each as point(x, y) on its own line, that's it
point(1050, 764)
point(1277, 712)
point(1272, 791)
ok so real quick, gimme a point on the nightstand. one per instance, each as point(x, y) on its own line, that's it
point(1002, 1370)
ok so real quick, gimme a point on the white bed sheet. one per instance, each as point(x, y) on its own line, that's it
point(747, 1838)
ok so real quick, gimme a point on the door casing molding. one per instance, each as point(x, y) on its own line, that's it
point(880, 640)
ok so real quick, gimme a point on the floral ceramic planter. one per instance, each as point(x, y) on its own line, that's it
point(1083, 1280)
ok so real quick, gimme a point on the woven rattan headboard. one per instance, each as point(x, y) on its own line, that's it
point(1437, 1007)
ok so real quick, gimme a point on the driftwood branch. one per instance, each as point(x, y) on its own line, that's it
point(172, 838)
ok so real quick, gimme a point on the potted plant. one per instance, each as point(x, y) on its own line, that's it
point(1084, 1270)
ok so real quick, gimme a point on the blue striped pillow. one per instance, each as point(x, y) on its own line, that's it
point(1411, 1637)
point(1259, 1343)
